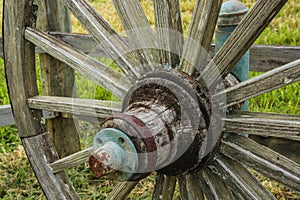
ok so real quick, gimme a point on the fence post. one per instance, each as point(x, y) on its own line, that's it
point(57, 79)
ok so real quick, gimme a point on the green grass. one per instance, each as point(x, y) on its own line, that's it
point(17, 180)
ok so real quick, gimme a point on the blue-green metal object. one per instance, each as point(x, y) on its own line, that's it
point(232, 12)
point(116, 155)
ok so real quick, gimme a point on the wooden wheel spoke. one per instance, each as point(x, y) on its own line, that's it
point(106, 37)
point(164, 187)
point(158, 187)
point(193, 186)
point(241, 181)
point(42, 151)
point(264, 124)
point(183, 187)
point(205, 188)
point(169, 30)
point(139, 32)
point(200, 35)
point(263, 160)
point(71, 160)
point(189, 187)
point(122, 190)
point(86, 65)
point(240, 40)
point(215, 187)
point(266, 82)
point(82, 107)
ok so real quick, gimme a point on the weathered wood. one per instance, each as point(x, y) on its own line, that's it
point(164, 187)
point(217, 187)
point(189, 187)
point(122, 190)
point(40, 152)
point(262, 57)
point(200, 34)
point(264, 124)
point(184, 195)
point(6, 116)
point(57, 78)
point(176, 138)
point(86, 65)
point(106, 37)
point(140, 34)
point(286, 147)
point(75, 106)
point(70, 161)
point(19, 60)
point(169, 31)
point(242, 182)
point(158, 186)
point(240, 40)
point(279, 132)
point(82, 42)
point(169, 188)
point(194, 190)
point(267, 57)
point(263, 160)
point(261, 84)
point(205, 188)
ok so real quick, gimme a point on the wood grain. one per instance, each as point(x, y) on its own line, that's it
point(19, 60)
point(75, 106)
point(57, 78)
point(106, 37)
point(122, 190)
point(262, 57)
point(201, 31)
point(140, 34)
point(263, 160)
point(6, 116)
point(164, 187)
point(263, 124)
point(169, 31)
point(71, 160)
point(216, 185)
point(241, 181)
point(257, 19)
point(189, 187)
point(194, 190)
point(86, 65)
point(271, 80)
point(41, 152)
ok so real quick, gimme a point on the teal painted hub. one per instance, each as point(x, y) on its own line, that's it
point(114, 155)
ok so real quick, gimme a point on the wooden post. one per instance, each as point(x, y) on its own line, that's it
point(57, 78)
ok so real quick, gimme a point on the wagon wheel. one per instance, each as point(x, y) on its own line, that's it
point(171, 120)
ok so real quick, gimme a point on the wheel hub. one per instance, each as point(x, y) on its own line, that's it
point(167, 116)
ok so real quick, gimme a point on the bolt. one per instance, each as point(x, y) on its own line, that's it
point(113, 155)
point(107, 159)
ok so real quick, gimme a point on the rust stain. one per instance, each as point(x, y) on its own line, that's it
point(97, 162)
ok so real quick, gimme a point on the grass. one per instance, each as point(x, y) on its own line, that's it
point(16, 177)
